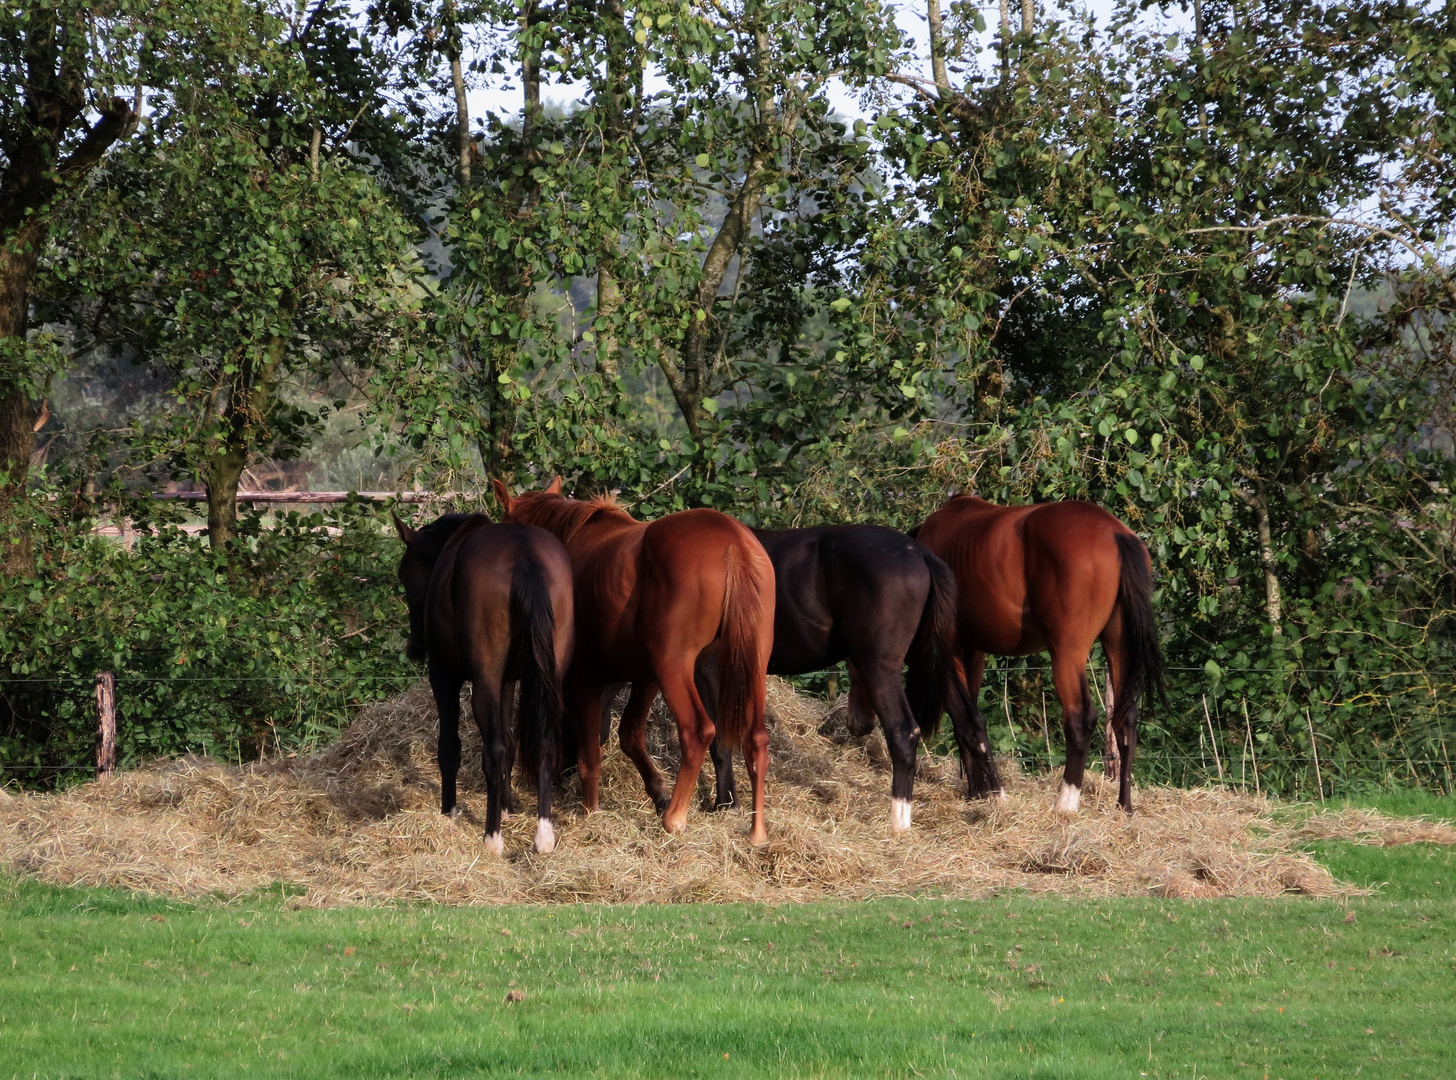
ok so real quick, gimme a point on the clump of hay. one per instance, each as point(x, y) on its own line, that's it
point(359, 823)
point(1374, 828)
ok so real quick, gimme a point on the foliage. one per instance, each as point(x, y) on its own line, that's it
point(266, 652)
point(1204, 279)
point(255, 257)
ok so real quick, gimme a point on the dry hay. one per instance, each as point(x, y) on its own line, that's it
point(358, 823)
point(1374, 828)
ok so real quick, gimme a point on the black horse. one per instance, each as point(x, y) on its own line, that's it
point(492, 604)
point(875, 597)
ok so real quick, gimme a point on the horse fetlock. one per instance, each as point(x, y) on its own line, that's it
point(1069, 799)
point(545, 836)
point(900, 815)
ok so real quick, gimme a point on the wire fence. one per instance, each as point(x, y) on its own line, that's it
point(1207, 735)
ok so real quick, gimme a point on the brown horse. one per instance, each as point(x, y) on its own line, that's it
point(1055, 577)
point(492, 604)
point(653, 602)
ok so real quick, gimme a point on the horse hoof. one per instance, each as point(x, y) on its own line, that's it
point(495, 843)
point(900, 815)
point(454, 811)
point(759, 837)
point(545, 836)
point(675, 825)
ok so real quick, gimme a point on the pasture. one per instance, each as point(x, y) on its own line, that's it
point(102, 983)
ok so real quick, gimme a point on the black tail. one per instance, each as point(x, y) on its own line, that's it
point(932, 653)
point(533, 645)
point(1142, 677)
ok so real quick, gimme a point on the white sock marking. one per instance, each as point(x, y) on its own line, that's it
point(1068, 799)
point(899, 814)
point(545, 836)
point(495, 843)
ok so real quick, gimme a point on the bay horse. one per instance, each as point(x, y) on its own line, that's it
point(492, 604)
point(872, 596)
point(654, 601)
point(1055, 577)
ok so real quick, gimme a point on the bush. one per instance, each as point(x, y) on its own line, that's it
point(269, 650)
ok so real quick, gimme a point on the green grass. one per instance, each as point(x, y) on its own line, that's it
point(1405, 802)
point(100, 984)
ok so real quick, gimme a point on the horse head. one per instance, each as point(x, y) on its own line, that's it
point(422, 549)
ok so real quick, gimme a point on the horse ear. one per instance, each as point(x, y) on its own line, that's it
point(406, 534)
point(554, 488)
point(502, 495)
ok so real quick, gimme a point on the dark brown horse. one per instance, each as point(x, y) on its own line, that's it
point(872, 596)
point(653, 601)
point(492, 604)
point(1056, 577)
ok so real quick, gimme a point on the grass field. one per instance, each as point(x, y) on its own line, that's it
point(100, 984)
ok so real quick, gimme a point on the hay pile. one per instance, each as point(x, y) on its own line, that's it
point(358, 823)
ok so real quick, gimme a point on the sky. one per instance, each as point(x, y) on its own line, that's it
point(504, 96)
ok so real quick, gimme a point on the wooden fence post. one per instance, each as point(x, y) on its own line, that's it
point(105, 725)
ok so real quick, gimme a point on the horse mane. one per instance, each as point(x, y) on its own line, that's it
point(564, 516)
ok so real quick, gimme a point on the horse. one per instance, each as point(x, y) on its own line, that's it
point(1055, 577)
point(492, 604)
point(654, 601)
point(870, 595)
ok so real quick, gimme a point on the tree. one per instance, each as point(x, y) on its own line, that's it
point(239, 246)
point(73, 76)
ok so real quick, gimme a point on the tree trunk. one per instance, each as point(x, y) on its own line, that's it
point(937, 47)
point(1028, 16)
point(1273, 595)
point(1005, 41)
point(243, 418)
point(616, 38)
point(462, 118)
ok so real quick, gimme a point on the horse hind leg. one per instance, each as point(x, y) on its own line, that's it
point(695, 732)
point(446, 687)
point(725, 787)
point(1069, 675)
point(969, 726)
point(861, 719)
point(632, 736)
point(884, 691)
point(495, 754)
point(1121, 737)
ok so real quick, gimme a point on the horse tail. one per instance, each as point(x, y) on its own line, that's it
point(1142, 676)
point(932, 653)
point(533, 634)
point(740, 667)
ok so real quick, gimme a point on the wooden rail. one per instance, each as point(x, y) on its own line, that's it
point(323, 496)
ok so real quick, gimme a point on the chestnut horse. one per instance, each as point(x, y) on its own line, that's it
point(870, 595)
point(492, 604)
point(1055, 577)
point(653, 601)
